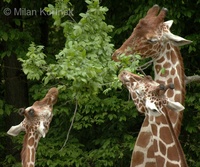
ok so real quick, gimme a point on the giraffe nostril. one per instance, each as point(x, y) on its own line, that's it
point(154, 110)
point(124, 73)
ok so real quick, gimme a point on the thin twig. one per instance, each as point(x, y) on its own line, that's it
point(70, 125)
point(146, 65)
point(140, 69)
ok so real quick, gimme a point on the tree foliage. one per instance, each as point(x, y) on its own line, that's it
point(75, 56)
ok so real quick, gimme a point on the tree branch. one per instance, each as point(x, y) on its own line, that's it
point(146, 65)
point(194, 78)
point(70, 125)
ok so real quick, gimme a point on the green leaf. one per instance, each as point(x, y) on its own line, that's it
point(17, 22)
point(5, 36)
point(163, 70)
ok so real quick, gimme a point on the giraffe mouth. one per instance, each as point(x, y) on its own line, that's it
point(126, 76)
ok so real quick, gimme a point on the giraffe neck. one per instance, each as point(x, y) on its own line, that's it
point(30, 144)
point(167, 148)
point(140, 156)
point(168, 68)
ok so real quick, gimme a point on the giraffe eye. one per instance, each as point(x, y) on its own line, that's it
point(31, 112)
point(152, 40)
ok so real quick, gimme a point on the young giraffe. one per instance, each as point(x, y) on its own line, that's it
point(152, 38)
point(149, 95)
point(36, 125)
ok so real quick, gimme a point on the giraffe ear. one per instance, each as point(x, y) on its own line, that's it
point(176, 40)
point(169, 23)
point(15, 130)
point(175, 106)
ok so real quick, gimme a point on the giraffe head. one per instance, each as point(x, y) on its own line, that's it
point(148, 94)
point(38, 116)
point(36, 123)
point(150, 36)
point(165, 147)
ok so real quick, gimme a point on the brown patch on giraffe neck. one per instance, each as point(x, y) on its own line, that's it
point(170, 93)
point(162, 148)
point(160, 161)
point(150, 152)
point(31, 141)
point(140, 158)
point(150, 164)
point(173, 57)
point(172, 153)
point(160, 60)
point(167, 65)
point(165, 135)
point(173, 72)
point(143, 143)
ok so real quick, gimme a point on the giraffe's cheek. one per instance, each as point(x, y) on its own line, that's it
point(42, 129)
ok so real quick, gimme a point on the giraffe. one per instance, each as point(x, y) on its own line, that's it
point(36, 125)
point(152, 38)
point(150, 99)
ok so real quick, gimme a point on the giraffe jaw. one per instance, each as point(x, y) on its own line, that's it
point(152, 109)
point(42, 130)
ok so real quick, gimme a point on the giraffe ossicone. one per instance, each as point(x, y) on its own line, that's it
point(138, 85)
point(36, 125)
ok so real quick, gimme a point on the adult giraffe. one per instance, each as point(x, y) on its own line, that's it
point(152, 38)
point(36, 125)
point(150, 95)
